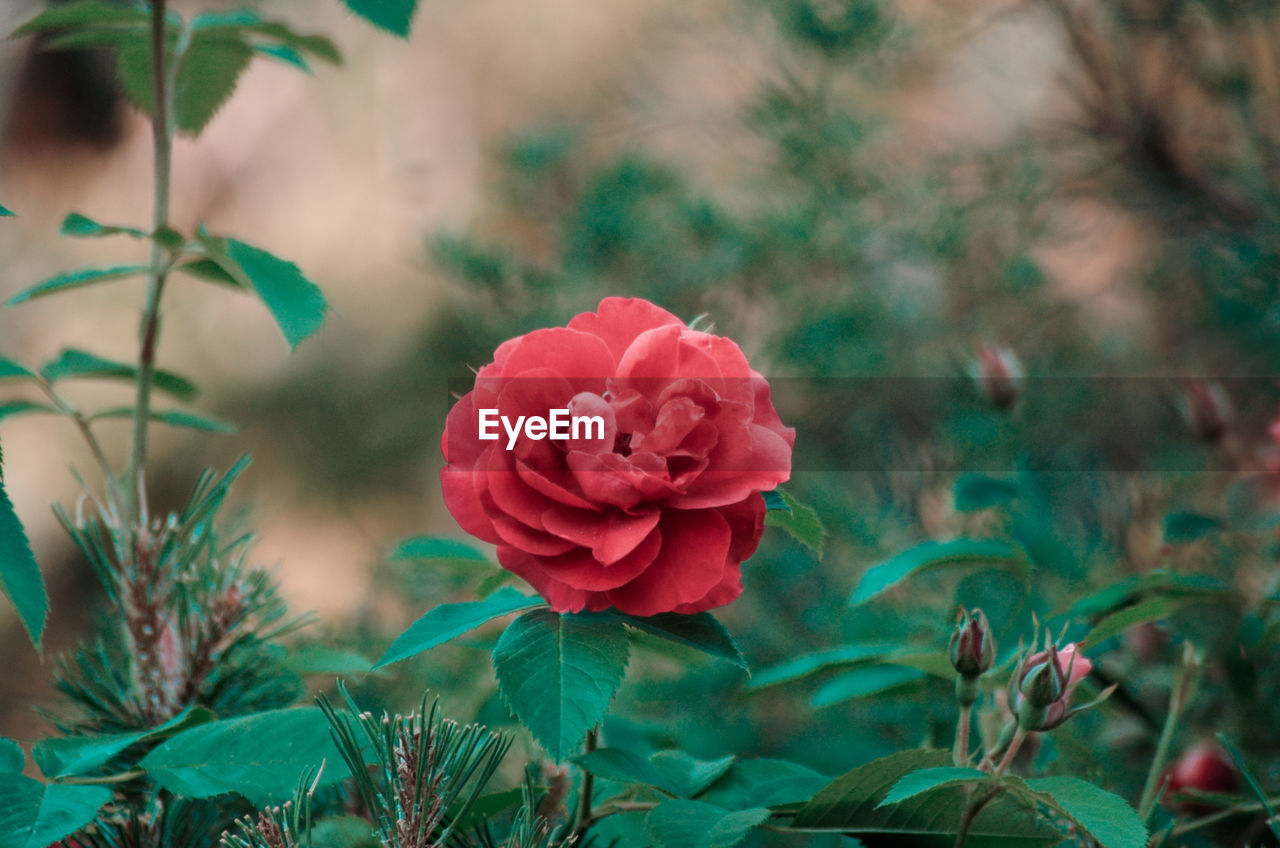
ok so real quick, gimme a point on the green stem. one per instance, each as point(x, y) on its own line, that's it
point(82, 424)
point(971, 813)
point(1188, 677)
point(1224, 813)
point(1018, 736)
point(961, 755)
point(583, 820)
point(162, 141)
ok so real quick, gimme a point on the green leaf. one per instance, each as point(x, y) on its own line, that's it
point(395, 16)
point(558, 673)
point(210, 271)
point(79, 226)
point(773, 500)
point(295, 302)
point(864, 682)
point(344, 832)
point(978, 491)
point(5, 213)
point(1129, 590)
point(1190, 526)
point(674, 772)
point(436, 547)
point(764, 783)
point(33, 815)
point(22, 407)
point(76, 280)
point(695, 824)
point(849, 804)
point(700, 631)
point(449, 621)
point(12, 759)
point(977, 554)
point(174, 418)
point(207, 76)
point(1145, 611)
point(803, 666)
point(10, 369)
point(78, 364)
point(83, 13)
point(800, 521)
point(322, 659)
point(19, 574)
point(78, 755)
point(926, 780)
point(1106, 817)
point(259, 756)
point(1273, 821)
point(280, 34)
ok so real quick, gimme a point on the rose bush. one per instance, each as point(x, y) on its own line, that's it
point(656, 516)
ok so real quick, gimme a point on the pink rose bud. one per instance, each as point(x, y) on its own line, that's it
point(1207, 409)
point(999, 375)
point(1043, 684)
point(1204, 767)
point(972, 648)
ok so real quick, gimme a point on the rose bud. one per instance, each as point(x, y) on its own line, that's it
point(999, 375)
point(1207, 409)
point(1043, 684)
point(1204, 767)
point(972, 651)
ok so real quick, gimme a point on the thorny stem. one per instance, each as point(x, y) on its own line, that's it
point(961, 755)
point(583, 820)
point(162, 141)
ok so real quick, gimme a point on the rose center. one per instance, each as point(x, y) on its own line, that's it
point(622, 444)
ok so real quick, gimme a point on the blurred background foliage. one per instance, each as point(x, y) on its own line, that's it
point(1092, 185)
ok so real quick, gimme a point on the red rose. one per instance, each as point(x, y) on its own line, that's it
point(655, 508)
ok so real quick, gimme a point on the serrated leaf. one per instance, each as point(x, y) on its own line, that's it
point(78, 755)
point(764, 783)
point(449, 621)
point(978, 491)
point(283, 36)
point(1104, 816)
point(93, 13)
point(10, 370)
point(260, 756)
point(76, 280)
point(12, 759)
point(696, 824)
point(19, 574)
point(73, 364)
point(33, 815)
point(294, 301)
point(80, 226)
point(207, 75)
point(436, 547)
point(174, 418)
point(1190, 526)
point(800, 521)
point(22, 407)
point(773, 500)
point(918, 782)
point(984, 554)
point(849, 805)
point(864, 682)
point(283, 53)
point(395, 16)
point(558, 673)
point(701, 631)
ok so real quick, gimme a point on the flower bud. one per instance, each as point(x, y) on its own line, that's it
point(1204, 767)
point(1207, 409)
point(1042, 686)
point(972, 649)
point(999, 375)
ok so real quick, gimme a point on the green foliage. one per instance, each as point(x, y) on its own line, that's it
point(172, 417)
point(798, 520)
point(978, 491)
point(10, 370)
point(1190, 526)
point(957, 553)
point(294, 301)
point(80, 226)
point(73, 364)
point(12, 759)
point(5, 213)
point(558, 672)
point(696, 824)
point(395, 16)
point(449, 621)
point(260, 757)
point(764, 783)
point(864, 682)
point(436, 547)
point(1107, 818)
point(928, 779)
point(22, 407)
point(36, 815)
point(674, 772)
point(76, 280)
point(83, 755)
point(700, 631)
point(19, 574)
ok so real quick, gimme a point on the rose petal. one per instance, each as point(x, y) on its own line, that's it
point(691, 562)
point(611, 535)
point(618, 320)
